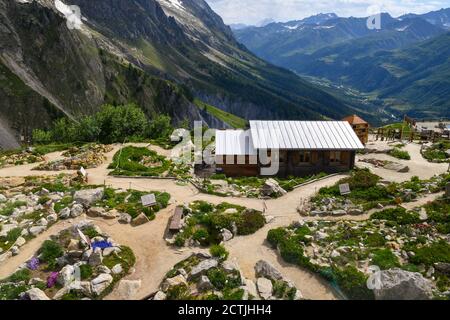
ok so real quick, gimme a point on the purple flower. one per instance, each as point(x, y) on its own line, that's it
point(33, 264)
point(51, 280)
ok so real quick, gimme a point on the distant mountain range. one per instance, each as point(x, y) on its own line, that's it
point(405, 63)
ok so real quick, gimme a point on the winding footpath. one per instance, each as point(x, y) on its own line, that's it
point(154, 257)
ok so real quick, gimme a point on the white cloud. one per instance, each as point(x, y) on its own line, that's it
point(254, 11)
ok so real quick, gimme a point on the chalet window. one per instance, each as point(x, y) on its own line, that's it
point(335, 157)
point(301, 157)
point(305, 157)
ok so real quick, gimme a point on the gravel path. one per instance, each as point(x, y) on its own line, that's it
point(155, 258)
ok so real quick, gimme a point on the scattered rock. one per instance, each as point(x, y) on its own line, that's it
point(442, 267)
point(52, 218)
point(321, 235)
point(88, 197)
point(339, 212)
point(64, 213)
point(20, 241)
point(95, 212)
point(250, 287)
point(423, 214)
point(3, 198)
point(159, 296)
point(266, 270)
point(15, 250)
point(96, 257)
point(77, 210)
point(66, 275)
point(397, 284)
point(117, 269)
point(226, 235)
point(100, 283)
point(110, 250)
point(125, 218)
point(203, 266)
point(36, 294)
point(264, 288)
point(204, 284)
point(170, 282)
point(271, 187)
point(36, 230)
point(398, 167)
point(139, 220)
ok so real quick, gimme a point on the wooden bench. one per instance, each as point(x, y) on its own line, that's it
point(175, 222)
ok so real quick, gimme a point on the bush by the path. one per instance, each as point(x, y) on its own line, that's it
point(206, 222)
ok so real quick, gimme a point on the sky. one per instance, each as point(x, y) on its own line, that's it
point(253, 12)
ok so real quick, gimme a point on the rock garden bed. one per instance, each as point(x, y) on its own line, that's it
point(87, 156)
point(134, 161)
point(388, 165)
point(437, 152)
point(205, 277)
point(66, 267)
point(29, 208)
point(17, 158)
point(206, 224)
point(402, 244)
point(251, 187)
point(368, 191)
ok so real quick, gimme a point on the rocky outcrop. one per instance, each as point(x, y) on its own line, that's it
point(272, 188)
point(397, 284)
point(266, 270)
point(88, 197)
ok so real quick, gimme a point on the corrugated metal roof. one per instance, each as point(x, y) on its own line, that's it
point(324, 135)
point(234, 142)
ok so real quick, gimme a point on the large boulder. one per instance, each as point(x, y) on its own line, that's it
point(271, 188)
point(95, 212)
point(89, 196)
point(203, 266)
point(398, 167)
point(100, 283)
point(36, 294)
point(266, 270)
point(264, 288)
point(397, 284)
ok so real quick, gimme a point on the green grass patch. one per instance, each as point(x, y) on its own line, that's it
point(229, 118)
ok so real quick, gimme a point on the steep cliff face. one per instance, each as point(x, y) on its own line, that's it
point(48, 71)
point(142, 51)
point(206, 57)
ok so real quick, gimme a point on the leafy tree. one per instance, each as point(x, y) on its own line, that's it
point(160, 127)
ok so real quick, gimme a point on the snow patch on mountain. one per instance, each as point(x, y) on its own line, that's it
point(177, 4)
